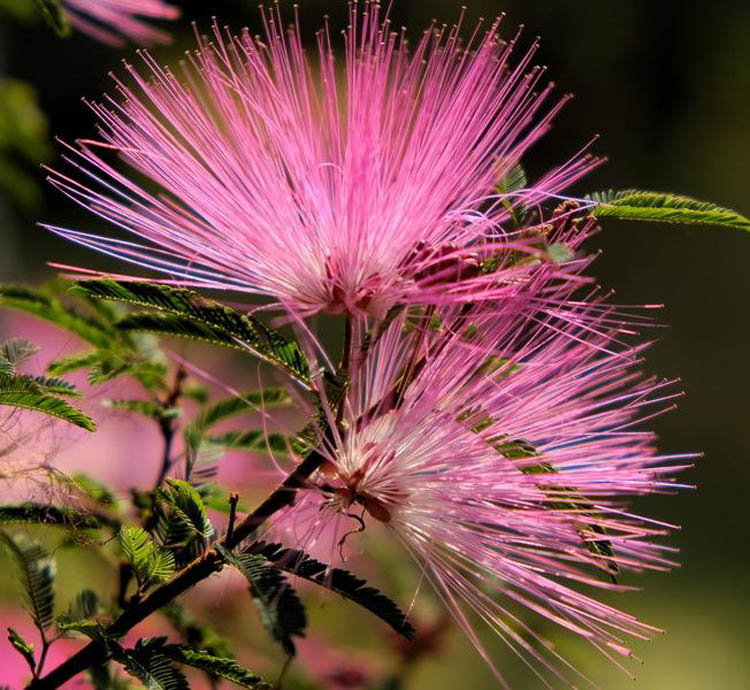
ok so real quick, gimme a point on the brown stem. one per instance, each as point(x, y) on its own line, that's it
point(167, 431)
point(346, 354)
point(95, 652)
point(43, 656)
point(126, 574)
point(233, 501)
point(167, 425)
point(346, 363)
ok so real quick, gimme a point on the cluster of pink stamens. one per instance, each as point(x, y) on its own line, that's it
point(276, 177)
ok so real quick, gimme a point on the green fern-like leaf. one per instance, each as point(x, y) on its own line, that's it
point(254, 441)
point(43, 306)
point(188, 504)
point(281, 611)
point(16, 351)
point(75, 362)
point(146, 663)
point(137, 546)
point(146, 408)
point(187, 314)
point(6, 367)
point(529, 461)
point(37, 573)
point(117, 352)
point(340, 581)
point(634, 204)
point(224, 409)
point(91, 488)
point(47, 404)
point(513, 180)
point(161, 566)
point(56, 386)
point(244, 403)
point(120, 362)
point(49, 515)
point(216, 667)
point(151, 564)
point(25, 392)
point(84, 605)
point(85, 626)
point(25, 649)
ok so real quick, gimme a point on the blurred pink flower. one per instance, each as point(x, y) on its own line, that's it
point(333, 668)
point(113, 21)
point(275, 177)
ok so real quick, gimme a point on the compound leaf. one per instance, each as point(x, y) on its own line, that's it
point(635, 204)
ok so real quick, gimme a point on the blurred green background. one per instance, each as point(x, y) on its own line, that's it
point(667, 85)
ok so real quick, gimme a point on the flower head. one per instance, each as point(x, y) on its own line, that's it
point(502, 452)
point(111, 21)
point(270, 172)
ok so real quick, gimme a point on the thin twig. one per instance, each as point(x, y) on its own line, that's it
point(233, 500)
point(167, 424)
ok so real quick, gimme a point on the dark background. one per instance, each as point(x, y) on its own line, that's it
point(667, 85)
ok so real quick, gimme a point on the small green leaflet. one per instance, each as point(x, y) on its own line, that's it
point(513, 180)
point(55, 385)
point(85, 626)
point(106, 364)
point(151, 564)
point(634, 204)
point(80, 360)
point(25, 649)
point(567, 499)
point(14, 352)
point(78, 617)
point(117, 352)
point(187, 503)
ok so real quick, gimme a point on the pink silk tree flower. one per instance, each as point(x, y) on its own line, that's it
point(505, 468)
point(266, 171)
point(113, 21)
